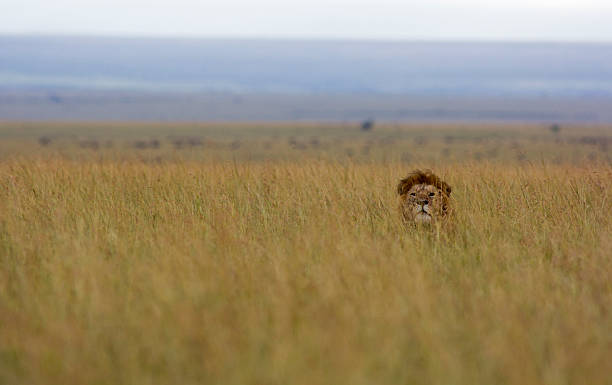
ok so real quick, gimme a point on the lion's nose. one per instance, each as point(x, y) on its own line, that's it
point(425, 202)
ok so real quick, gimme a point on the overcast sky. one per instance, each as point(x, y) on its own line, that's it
point(562, 20)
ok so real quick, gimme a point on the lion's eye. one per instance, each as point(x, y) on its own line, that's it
point(413, 194)
point(432, 194)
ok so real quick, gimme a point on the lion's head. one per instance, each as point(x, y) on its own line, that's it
point(424, 197)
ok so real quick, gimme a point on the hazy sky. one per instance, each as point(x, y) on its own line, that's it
point(369, 19)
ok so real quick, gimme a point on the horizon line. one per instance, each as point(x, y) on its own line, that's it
point(322, 39)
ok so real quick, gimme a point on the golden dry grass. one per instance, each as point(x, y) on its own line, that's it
point(117, 268)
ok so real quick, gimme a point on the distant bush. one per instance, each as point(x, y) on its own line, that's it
point(555, 128)
point(187, 142)
point(144, 144)
point(44, 140)
point(367, 125)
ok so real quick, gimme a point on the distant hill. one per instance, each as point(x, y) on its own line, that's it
point(93, 78)
point(292, 66)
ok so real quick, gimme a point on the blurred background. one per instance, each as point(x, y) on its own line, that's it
point(335, 60)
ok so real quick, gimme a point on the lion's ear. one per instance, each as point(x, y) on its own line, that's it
point(445, 189)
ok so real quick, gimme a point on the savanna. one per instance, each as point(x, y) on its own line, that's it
point(275, 254)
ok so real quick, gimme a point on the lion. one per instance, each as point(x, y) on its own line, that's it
point(424, 197)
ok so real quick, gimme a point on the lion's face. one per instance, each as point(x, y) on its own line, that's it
point(424, 202)
point(424, 198)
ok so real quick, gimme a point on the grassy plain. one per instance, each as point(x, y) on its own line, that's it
point(273, 254)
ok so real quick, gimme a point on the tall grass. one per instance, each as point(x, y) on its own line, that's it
point(300, 272)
